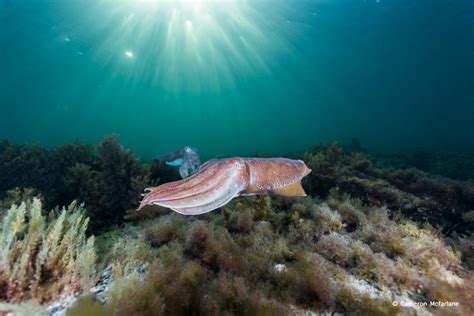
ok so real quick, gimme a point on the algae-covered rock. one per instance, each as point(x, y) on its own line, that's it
point(369, 240)
point(335, 256)
point(418, 195)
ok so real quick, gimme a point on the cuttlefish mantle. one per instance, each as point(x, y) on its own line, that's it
point(219, 181)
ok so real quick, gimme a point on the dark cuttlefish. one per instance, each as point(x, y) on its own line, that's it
point(219, 181)
point(186, 159)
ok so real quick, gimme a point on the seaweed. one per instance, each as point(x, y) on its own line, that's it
point(108, 178)
point(336, 255)
point(420, 196)
point(120, 181)
point(25, 166)
point(453, 165)
point(366, 237)
point(42, 259)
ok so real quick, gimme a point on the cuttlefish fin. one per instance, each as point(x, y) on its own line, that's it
point(294, 189)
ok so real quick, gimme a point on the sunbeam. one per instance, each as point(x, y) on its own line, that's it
point(193, 45)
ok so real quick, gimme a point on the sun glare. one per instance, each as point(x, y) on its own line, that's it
point(193, 44)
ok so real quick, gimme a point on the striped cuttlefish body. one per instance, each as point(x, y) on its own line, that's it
point(219, 181)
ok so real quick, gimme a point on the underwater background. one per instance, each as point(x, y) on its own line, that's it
point(375, 97)
point(237, 77)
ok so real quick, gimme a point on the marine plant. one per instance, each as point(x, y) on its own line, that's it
point(416, 194)
point(16, 196)
point(43, 256)
point(459, 166)
point(63, 158)
point(281, 256)
point(25, 166)
point(107, 177)
point(120, 181)
point(368, 236)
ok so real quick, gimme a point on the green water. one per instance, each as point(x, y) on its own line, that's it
point(237, 77)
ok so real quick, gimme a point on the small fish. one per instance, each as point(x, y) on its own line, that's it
point(219, 181)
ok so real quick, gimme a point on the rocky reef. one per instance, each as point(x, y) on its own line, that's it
point(372, 239)
point(420, 196)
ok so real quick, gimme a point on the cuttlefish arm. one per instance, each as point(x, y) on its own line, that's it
point(219, 181)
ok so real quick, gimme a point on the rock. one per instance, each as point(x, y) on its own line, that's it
point(279, 267)
point(99, 291)
point(59, 307)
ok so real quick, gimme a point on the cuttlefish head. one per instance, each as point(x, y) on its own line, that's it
point(281, 176)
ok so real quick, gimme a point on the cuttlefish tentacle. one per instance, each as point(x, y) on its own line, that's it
point(219, 181)
point(203, 193)
point(189, 186)
point(178, 188)
point(235, 180)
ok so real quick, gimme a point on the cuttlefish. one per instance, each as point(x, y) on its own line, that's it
point(187, 159)
point(220, 180)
